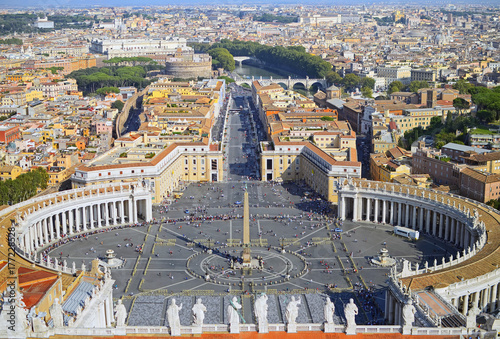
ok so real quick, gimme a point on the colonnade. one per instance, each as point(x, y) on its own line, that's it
point(75, 213)
point(487, 299)
point(424, 217)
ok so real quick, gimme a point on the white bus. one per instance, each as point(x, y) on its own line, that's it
point(406, 232)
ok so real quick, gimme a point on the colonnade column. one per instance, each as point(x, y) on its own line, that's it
point(45, 230)
point(428, 222)
point(434, 223)
point(71, 220)
point(391, 219)
point(91, 214)
point(51, 227)
point(84, 218)
point(465, 306)
point(106, 210)
point(99, 223)
point(407, 215)
point(354, 209)
point(384, 211)
point(77, 217)
point(113, 206)
point(399, 213)
point(58, 226)
point(375, 218)
point(368, 208)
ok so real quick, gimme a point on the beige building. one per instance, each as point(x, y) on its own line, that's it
point(303, 161)
point(148, 161)
point(478, 185)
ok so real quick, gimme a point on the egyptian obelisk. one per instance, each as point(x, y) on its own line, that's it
point(246, 230)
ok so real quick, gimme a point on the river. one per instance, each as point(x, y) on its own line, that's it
point(247, 71)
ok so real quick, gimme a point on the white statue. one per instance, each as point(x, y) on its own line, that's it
point(232, 312)
point(198, 313)
point(329, 311)
point(56, 313)
point(39, 325)
point(173, 318)
point(408, 313)
point(260, 308)
point(471, 317)
point(120, 314)
point(350, 312)
point(292, 310)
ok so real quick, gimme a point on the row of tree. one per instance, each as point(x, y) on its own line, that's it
point(23, 187)
point(267, 17)
point(351, 81)
point(11, 41)
point(292, 58)
point(130, 60)
point(90, 80)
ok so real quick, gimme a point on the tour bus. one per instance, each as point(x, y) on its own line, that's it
point(406, 232)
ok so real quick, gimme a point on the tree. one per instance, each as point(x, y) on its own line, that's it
point(486, 115)
point(333, 77)
point(118, 104)
point(460, 104)
point(350, 81)
point(222, 58)
point(106, 90)
point(395, 86)
point(367, 92)
point(416, 85)
point(462, 86)
point(367, 82)
point(228, 79)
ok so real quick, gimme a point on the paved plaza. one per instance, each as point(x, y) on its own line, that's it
point(170, 257)
point(305, 251)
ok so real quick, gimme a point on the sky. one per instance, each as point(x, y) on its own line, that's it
point(40, 4)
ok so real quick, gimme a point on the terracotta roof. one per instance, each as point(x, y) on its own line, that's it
point(486, 157)
point(483, 177)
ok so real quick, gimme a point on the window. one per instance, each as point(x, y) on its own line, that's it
point(194, 161)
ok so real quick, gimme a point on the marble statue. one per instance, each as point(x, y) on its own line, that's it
point(350, 312)
point(56, 313)
point(121, 314)
point(233, 315)
point(198, 313)
point(329, 311)
point(173, 318)
point(260, 307)
point(471, 317)
point(292, 310)
point(38, 321)
point(408, 313)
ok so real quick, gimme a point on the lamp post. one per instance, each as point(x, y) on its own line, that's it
point(288, 269)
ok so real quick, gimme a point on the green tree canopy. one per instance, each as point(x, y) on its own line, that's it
point(350, 81)
point(460, 104)
point(462, 86)
point(367, 82)
point(333, 77)
point(395, 86)
point(222, 58)
point(106, 90)
point(416, 85)
point(118, 104)
point(367, 92)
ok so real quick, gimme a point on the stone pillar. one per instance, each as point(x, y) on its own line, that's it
point(113, 207)
point(99, 221)
point(91, 216)
point(384, 211)
point(377, 213)
point(149, 210)
point(368, 208)
point(342, 208)
point(458, 233)
point(421, 219)
point(434, 223)
point(400, 207)
point(106, 210)
point(475, 299)
point(493, 298)
point(407, 215)
point(465, 308)
point(428, 221)
point(45, 230)
point(391, 219)
point(39, 236)
point(77, 218)
point(58, 226)
point(484, 298)
point(354, 207)
point(71, 220)
point(84, 218)
point(446, 223)
point(131, 210)
point(414, 218)
point(51, 227)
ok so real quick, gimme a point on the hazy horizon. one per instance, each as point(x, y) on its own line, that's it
point(44, 4)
